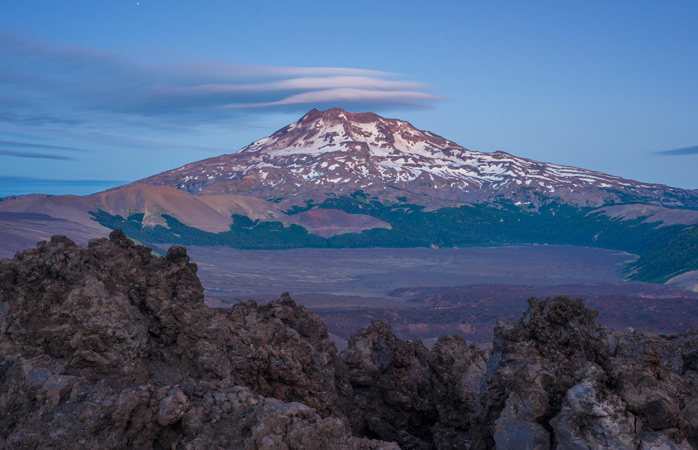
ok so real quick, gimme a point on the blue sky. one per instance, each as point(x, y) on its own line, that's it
point(98, 93)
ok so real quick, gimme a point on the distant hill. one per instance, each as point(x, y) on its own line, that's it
point(672, 258)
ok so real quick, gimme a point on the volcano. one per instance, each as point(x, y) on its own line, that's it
point(336, 152)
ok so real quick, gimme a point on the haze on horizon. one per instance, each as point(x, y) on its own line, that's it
point(97, 94)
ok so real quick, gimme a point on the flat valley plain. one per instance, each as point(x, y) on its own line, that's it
point(425, 293)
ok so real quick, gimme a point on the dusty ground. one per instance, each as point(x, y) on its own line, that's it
point(427, 293)
point(243, 274)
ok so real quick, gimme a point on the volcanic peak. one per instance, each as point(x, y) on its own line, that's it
point(335, 129)
point(335, 152)
point(339, 114)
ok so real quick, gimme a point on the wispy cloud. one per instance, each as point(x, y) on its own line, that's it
point(35, 155)
point(47, 84)
point(22, 149)
point(345, 95)
point(21, 144)
point(679, 151)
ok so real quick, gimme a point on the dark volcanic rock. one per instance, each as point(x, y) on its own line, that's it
point(456, 376)
point(283, 350)
point(46, 408)
point(107, 346)
point(392, 386)
point(557, 379)
point(406, 394)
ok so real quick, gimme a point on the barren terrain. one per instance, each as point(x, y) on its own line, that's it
point(427, 293)
point(374, 272)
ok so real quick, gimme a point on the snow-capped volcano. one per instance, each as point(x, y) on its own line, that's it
point(334, 151)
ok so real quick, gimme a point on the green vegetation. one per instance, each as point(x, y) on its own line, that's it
point(674, 257)
point(477, 225)
point(665, 251)
point(309, 204)
point(244, 233)
point(498, 224)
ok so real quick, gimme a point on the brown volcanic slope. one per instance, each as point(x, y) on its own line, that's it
point(329, 222)
point(22, 230)
point(209, 213)
point(651, 214)
point(333, 152)
point(25, 220)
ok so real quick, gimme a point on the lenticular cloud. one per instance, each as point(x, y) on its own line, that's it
point(84, 85)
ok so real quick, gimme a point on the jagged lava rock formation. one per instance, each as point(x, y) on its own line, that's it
point(108, 346)
point(406, 394)
point(557, 379)
point(335, 151)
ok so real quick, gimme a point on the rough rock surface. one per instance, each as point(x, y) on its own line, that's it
point(557, 379)
point(456, 376)
point(108, 346)
point(406, 394)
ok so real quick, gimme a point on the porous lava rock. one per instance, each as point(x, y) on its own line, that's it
point(406, 394)
point(108, 346)
point(457, 369)
point(557, 379)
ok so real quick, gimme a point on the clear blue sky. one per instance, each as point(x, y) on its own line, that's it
point(97, 93)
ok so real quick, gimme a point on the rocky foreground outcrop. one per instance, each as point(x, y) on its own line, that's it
point(108, 346)
point(557, 379)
